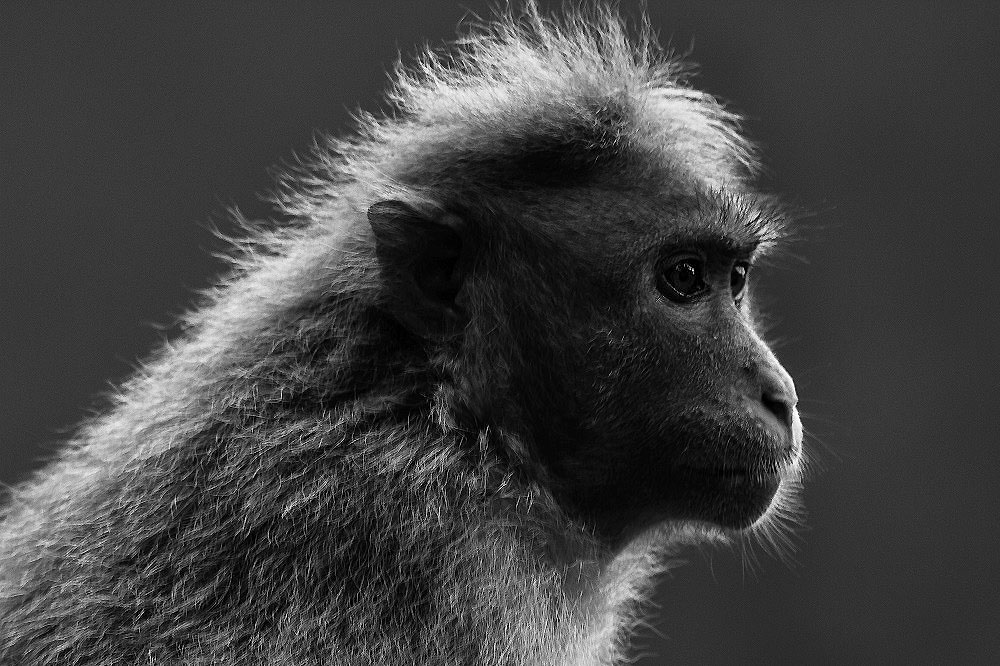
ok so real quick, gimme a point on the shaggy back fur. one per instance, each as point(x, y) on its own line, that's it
point(299, 479)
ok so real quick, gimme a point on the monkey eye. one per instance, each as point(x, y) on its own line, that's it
point(738, 280)
point(683, 280)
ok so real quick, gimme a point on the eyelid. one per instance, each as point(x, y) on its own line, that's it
point(680, 254)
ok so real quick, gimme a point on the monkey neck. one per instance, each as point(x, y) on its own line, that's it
point(378, 518)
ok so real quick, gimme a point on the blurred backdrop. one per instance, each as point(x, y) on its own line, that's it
point(127, 129)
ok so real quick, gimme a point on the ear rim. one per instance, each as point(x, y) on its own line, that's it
point(412, 248)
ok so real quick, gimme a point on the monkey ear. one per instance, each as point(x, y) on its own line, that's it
point(424, 260)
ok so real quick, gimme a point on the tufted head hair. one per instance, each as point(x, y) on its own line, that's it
point(528, 100)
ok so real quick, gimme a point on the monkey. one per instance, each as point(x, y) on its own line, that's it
point(502, 361)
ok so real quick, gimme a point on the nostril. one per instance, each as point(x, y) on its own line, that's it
point(778, 405)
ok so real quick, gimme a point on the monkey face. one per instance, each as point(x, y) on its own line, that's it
point(655, 399)
point(616, 334)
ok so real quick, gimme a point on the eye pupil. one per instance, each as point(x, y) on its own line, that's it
point(685, 277)
point(683, 280)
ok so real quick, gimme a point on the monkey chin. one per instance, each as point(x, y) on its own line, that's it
point(721, 506)
point(732, 499)
point(771, 526)
point(736, 500)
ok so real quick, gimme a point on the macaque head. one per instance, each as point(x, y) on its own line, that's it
point(589, 260)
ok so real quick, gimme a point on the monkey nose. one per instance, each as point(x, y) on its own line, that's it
point(777, 396)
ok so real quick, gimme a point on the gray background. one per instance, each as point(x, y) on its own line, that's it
point(126, 130)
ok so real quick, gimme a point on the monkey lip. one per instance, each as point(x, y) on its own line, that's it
point(731, 474)
point(770, 475)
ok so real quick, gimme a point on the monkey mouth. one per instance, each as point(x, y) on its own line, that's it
point(765, 467)
point(739, 475)
point(733, 475)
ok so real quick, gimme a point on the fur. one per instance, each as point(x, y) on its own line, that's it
point(297, 479)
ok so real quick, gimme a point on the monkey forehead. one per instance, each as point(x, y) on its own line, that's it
point(736, 220)
point(602, 221)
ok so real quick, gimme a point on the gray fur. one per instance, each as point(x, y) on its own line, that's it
point(298, 479)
